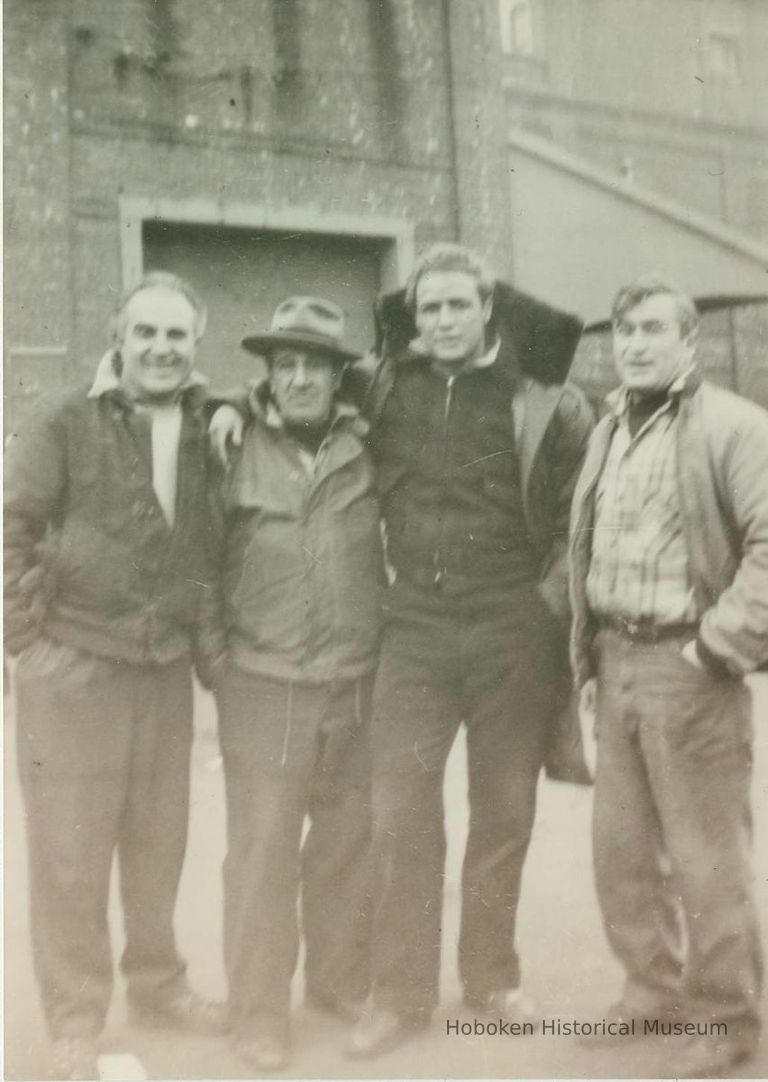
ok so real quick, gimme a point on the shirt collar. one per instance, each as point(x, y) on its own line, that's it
point(107, 380)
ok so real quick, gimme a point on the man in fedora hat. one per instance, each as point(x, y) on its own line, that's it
point(299, 640)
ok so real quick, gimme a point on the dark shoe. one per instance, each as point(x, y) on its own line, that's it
point(623, 1022)
point(189, 1012)
point(381, 1031)
point(264, 1053)
point(75, 1058)
point(349, 1010)
point(511, 1005)
point(710, 1057)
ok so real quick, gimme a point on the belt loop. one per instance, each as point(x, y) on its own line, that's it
point(288, 723)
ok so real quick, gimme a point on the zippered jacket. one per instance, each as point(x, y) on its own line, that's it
point(722, 476)
point(90, 559)
point(303, 564)
point(549, 425)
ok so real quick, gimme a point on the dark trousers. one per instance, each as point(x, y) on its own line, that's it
point(443, 664)
point(672, 832)
point(104, 750)
point(290, 750)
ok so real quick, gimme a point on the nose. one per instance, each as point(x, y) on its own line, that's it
point(301, 374)
point(162, 345)
point(444, 316)
point(636, 341)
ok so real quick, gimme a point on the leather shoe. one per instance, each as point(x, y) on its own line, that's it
point(349, 1010)
point(508, 1004)
point(708, 1057)
point(75, 1058)
point(381, 1031)
point(266, 1052)
point(188, 1012)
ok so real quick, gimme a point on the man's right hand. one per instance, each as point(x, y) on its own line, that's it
point(226, 428)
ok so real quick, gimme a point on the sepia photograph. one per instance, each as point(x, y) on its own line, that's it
point(385, 429)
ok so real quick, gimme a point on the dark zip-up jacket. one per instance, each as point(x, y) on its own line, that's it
point(90, 559)
point(548, 427)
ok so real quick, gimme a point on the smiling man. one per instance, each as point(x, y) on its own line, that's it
point(301, 580)
point(106, 557)
point(669, 557)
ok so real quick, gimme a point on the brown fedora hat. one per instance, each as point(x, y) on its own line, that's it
point(304, 321)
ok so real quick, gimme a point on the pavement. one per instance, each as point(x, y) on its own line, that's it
point(568, 968)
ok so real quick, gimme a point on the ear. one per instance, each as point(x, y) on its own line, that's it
point(338, 375)
point(487, 309)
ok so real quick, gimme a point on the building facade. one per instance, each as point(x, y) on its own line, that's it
point(259, 147)
point(638, 138)
point(265, 147)
point(672, 95)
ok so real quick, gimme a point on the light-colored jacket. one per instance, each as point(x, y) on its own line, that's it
point(303, 562)
point(722, 477)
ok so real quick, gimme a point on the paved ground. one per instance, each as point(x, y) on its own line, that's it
point(568, 968)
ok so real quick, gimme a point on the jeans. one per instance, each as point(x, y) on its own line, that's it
point(443, 664)
point(672, 831)
point(104, 752)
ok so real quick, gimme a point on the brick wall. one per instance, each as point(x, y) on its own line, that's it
point(341, 106)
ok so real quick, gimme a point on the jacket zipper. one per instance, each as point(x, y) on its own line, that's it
point(436, 559)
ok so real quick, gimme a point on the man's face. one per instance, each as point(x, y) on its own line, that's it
point(158, 345)
point(649, 349)
point(450, 317)
point(303, 383)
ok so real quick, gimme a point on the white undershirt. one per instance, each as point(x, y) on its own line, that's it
point(166, 433)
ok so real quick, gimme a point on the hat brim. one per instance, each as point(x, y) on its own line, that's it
point(267, 343)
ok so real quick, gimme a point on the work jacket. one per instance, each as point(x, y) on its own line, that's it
point(550, 421)
point(90, 559)
point(549, 426)
point(722, 479)
point(303, 565)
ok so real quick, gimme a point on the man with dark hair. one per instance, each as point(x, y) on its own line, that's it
point(476, 461)
point(302, 573)
point(106, 557)
point(669, 550)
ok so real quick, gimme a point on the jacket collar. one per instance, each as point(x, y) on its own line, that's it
point(107, 381)
point(418, 351)
point(683, 387)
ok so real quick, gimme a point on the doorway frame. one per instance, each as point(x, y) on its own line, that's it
point(397, 234)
